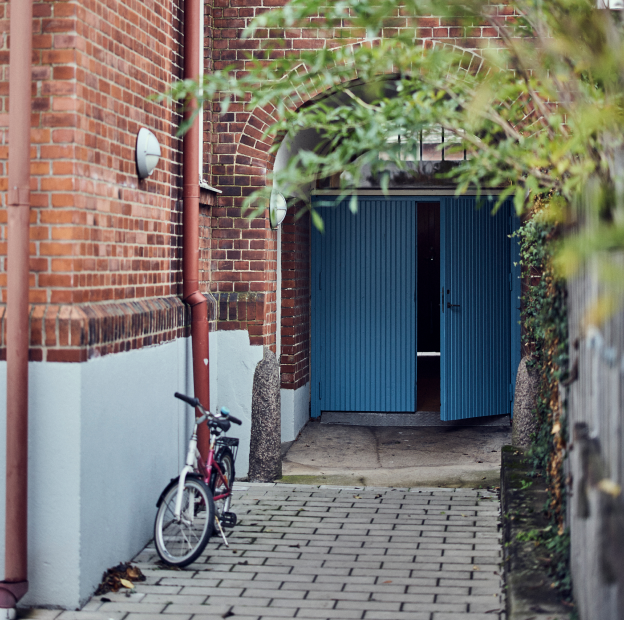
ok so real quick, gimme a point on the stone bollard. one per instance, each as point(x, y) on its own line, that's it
point(265, 459)
point(525, 401)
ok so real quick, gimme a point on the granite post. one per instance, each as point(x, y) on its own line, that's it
point(525, 401)
point(265, 461)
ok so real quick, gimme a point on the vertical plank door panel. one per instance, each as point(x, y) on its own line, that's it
point(363, 307)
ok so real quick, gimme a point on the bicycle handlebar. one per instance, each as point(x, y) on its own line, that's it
point(194, 402)
point(226, 413)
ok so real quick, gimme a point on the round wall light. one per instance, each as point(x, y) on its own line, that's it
point(277, 209)
point(147, 153)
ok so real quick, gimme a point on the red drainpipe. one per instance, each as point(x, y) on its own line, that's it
point(15, 583)
point(190, 220)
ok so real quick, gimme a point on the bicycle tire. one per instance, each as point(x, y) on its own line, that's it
point(178, 543)
point(225, 459)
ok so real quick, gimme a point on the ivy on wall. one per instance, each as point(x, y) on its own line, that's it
point(545, 340)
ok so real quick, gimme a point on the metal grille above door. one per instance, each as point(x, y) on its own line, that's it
point(363, 308)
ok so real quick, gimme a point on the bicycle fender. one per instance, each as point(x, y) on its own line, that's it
point(174, 482)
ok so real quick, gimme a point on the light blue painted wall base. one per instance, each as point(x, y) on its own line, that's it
point(233, 362)
point(105, 437)
point(295, 411)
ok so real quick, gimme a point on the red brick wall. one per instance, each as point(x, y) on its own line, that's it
point(98, 234)
point(295, 323)
point(101, 236)
point(243, 251)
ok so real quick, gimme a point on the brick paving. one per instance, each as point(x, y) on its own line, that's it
point(329, 553)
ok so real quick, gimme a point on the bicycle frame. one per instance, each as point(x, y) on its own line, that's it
point(194, 463)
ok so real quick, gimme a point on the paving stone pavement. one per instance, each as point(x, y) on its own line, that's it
point(318, 552)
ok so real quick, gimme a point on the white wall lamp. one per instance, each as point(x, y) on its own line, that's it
point(277, 209)
point(147, 153)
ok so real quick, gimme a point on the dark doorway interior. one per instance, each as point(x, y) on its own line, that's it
point(428, 310)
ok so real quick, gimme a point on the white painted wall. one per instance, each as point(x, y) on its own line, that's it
point(105, 437)
point(3, 381)
point(233, 362)
point(133, 436)
point(278, 299)
point(295, 411)
point(54, 553)
point(295, 403)
point(306, 140)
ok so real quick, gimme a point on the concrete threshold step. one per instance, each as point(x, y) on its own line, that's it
point(420, 418)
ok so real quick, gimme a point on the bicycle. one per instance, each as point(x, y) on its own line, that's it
point(200, 497)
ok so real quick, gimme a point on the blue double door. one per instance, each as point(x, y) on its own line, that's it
point(365, 322)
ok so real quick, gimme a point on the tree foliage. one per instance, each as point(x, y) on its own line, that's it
point(539, 114)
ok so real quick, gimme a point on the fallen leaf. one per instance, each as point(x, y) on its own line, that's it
point(356, 497)
point(556, 428)
point(389, 581)
point(475, 568)
point(483, 478)
point(377, 496)
point(121, 575)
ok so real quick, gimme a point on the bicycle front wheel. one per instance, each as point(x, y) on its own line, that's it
point(181, 541)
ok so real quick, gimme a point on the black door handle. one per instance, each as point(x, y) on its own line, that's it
point(450, 305)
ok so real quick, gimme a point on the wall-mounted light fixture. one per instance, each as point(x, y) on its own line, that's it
point(147, 153)
point(277, 209)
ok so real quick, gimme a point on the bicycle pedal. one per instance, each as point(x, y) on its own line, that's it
point(228, 519)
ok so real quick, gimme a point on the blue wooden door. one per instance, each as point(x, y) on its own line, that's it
point(476, 324)
point(363, 349)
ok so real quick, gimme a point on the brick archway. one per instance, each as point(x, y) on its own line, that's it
point(252, 159)
point(244, 252)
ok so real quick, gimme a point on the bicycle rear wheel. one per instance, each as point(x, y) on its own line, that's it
point(180, 542)
point(218, 486)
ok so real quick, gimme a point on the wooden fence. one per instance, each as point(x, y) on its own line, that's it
point(595, 467)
